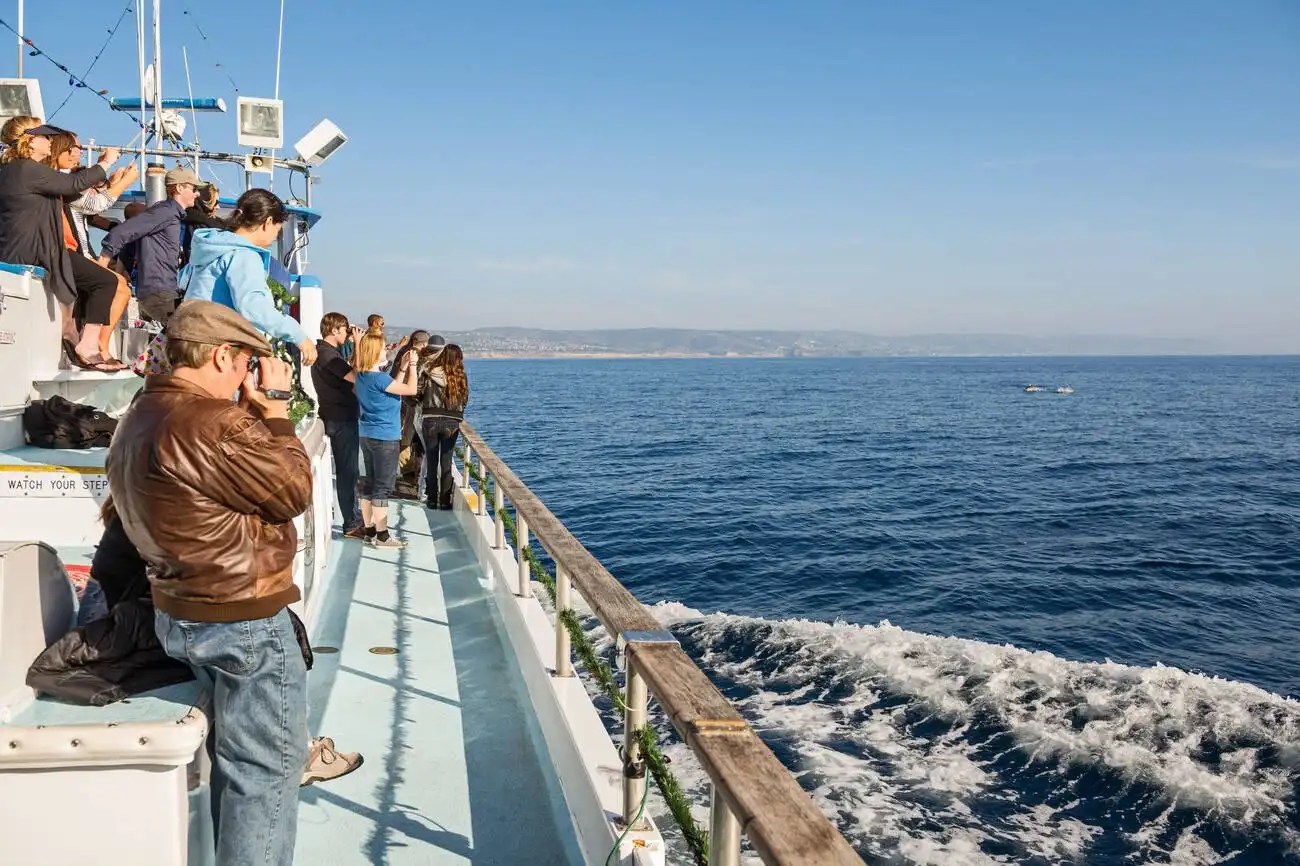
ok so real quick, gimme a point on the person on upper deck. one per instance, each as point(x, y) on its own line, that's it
point(203, 215)
point(230, 265)
point(157, 235)
point(443, 395)
point(33, 232)
point(336, 397)
point(207, 490)
point(65, 156)
point(379, 397)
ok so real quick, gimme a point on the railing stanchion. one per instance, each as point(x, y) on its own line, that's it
point(525, 576)
point(481, 488)
point(724, 832)
point(498, 505)
point(635, 696)
point(466, 480)
point(563, 664)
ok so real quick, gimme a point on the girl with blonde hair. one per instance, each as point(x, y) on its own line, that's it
point(379, 397)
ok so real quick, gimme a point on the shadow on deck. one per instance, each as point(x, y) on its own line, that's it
point(451, 773)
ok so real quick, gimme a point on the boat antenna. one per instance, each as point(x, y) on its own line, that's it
point(194, 114)
point(157, 74)
point(20, 39)
point(139, 45)
point(279, 52)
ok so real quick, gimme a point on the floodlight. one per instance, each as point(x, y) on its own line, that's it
point(261, 122)
point(20, 96)
point(319, 145)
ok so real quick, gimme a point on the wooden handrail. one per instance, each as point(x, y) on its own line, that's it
point(781, 821)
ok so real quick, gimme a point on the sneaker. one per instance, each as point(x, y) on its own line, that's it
point(391, 541)
point(325, 763)
point(357, 533)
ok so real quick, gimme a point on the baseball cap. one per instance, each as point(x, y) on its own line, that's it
point(215, 324)
point(437, 342)
point(183, 175)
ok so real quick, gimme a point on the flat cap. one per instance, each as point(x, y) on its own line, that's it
point(215, 324)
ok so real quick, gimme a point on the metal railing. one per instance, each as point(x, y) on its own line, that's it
point(752, 792)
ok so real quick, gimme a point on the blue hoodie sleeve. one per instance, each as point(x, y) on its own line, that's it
point(246, 276)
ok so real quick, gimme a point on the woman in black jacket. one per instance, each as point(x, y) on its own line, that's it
point(32, 230)
point(202, 216)
point(443, 394)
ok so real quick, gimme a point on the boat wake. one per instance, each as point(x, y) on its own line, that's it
point(940, 750)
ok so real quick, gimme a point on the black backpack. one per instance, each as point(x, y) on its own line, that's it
point(59, 423)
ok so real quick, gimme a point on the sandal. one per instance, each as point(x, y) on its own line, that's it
point(95, 363)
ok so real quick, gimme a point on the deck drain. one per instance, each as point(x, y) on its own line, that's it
point(324, 649)
point(384, 650)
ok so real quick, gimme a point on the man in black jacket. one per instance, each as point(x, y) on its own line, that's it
point(334, 380)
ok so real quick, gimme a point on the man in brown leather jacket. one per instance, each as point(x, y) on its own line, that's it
point(207, 490)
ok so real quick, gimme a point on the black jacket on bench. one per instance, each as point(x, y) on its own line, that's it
point(108, 659)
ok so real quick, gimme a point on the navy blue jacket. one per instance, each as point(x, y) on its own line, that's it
point(158, 251)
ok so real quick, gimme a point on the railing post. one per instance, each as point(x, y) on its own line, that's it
point(634, 719)
point(563, 664)
point(469, 466)
point(498, 505)
point(525, 576)
point(481, 489)
point(724, 832)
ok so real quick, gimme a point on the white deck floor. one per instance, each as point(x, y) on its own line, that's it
point(452, 773)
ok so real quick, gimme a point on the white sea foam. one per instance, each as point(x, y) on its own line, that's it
point(882, 722)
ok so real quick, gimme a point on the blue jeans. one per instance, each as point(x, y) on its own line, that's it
point(345, 444)
point(259, 729)
point(380, 458)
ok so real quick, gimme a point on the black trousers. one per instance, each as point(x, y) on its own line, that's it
point(96, 286)
point(439, 435)
point(345, 443)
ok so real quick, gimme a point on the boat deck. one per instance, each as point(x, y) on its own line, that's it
point(452, 771)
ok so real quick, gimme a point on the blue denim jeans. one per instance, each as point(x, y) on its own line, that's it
point(380, 459)
point(345, 443)
point(259, 730)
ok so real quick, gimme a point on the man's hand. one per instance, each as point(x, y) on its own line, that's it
point(275, 375)
point(127, 174)
point(308, 350)
point(110, 156)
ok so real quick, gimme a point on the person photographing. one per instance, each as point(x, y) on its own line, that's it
point(207, 476)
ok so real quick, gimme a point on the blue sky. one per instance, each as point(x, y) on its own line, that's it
point(1009, 167)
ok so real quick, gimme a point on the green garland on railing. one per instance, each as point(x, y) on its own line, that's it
point(300, 405)
point(679, 805)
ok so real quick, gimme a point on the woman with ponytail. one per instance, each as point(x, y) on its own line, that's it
point(229, 266)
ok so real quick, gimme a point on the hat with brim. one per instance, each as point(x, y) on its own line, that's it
point(45, 129)
point(215, 324)
point(178, 176)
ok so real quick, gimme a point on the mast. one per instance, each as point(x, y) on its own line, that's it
point(139, 46)
point(279, 49)
point(157, 72)
point(20, 38)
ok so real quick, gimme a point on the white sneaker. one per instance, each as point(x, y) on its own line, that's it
point(325, 763)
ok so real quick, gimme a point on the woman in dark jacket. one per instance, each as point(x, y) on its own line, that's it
point(202, 216)
point(443, 394)
point(32, 228)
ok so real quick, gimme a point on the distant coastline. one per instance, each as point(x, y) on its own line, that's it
point(687, 343)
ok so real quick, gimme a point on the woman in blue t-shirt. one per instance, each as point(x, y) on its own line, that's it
point(380, 398)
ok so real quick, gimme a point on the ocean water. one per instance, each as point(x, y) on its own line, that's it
point(980, 625)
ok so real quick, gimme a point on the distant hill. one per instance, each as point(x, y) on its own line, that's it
point(669, 342)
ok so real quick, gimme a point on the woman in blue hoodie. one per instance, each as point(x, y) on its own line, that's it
point(230, 268)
